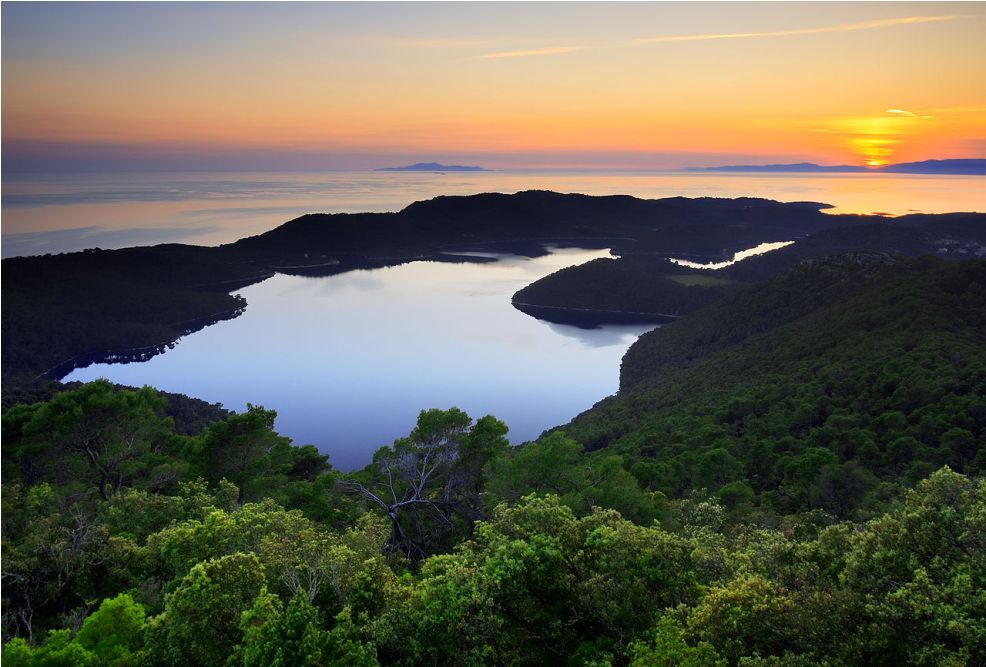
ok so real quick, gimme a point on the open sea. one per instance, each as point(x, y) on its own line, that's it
point(59, 213)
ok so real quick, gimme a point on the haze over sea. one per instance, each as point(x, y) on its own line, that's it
point(54, 213)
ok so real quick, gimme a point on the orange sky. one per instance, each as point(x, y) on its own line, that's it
point(506, 85)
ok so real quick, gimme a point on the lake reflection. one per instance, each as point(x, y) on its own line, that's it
point(349, 360)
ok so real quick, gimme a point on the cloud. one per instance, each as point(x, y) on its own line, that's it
point(547, 51)
point(845, 27)
point(909, 114)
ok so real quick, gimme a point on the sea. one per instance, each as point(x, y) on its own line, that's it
point(64, 212)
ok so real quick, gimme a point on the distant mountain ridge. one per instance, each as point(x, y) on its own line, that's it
point(957, 167)
point(432, 166)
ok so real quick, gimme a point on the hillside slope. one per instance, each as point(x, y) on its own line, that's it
point(808, 390)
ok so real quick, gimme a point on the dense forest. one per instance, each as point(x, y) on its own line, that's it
point(60, 310)
point(634, 287)
point(791, 475)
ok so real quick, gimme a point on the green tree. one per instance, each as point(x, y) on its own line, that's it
point(431, 479)
point(201, 621)
point(917, 574)
point(108, 437)
point(245, 449)
point(114, 633)
point(667, 649)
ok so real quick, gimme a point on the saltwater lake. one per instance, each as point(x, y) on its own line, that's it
point(348, 361)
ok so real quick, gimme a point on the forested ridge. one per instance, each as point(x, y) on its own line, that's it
point(639, 281)
point(791, 475)
point(812, 390)
point(634, 284)
point(74, 307)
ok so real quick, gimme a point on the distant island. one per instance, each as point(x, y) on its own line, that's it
point(963, 167)
point(432, 166)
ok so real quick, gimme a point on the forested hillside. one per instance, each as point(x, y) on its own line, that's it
point(821, 389)
point(59, 310)
point(653, 288)
point(791, 476)
point(641, 281)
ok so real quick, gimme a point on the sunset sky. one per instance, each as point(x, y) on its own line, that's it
point(555, 85)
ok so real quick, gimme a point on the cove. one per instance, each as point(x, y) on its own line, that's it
point(349, 360)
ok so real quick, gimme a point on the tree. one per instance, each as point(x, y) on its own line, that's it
point(112, 635)
point(245, 449)
point(746, 616)
point(50, 555)
point(431, 479)
point(283, 639)
point(201, 621)
point(917, 575)
point(551, 464)
point(106, 436)
point(668, 649)
point(114, 632)
point(294, 636)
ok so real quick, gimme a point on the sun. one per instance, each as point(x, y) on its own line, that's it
point(874, 163)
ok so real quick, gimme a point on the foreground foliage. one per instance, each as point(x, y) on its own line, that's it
point(259, 585)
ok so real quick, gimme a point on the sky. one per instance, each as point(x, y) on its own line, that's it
point(215, 86)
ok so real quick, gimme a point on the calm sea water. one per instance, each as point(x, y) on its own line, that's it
point(59, 213)
point(348, 361)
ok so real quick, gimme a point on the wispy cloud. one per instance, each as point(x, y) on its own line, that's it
point(845, 27)
point(909, 114)
point(547, 51)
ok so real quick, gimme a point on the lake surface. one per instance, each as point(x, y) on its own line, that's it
point(58, 213)
point(348, 361)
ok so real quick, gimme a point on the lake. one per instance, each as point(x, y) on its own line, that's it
point(58, 213)
point(349, 360)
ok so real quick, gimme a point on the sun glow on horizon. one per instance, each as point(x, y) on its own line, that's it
point(517, 85)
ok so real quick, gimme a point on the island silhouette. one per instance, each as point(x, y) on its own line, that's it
point(954, 167)
point(432, 166)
